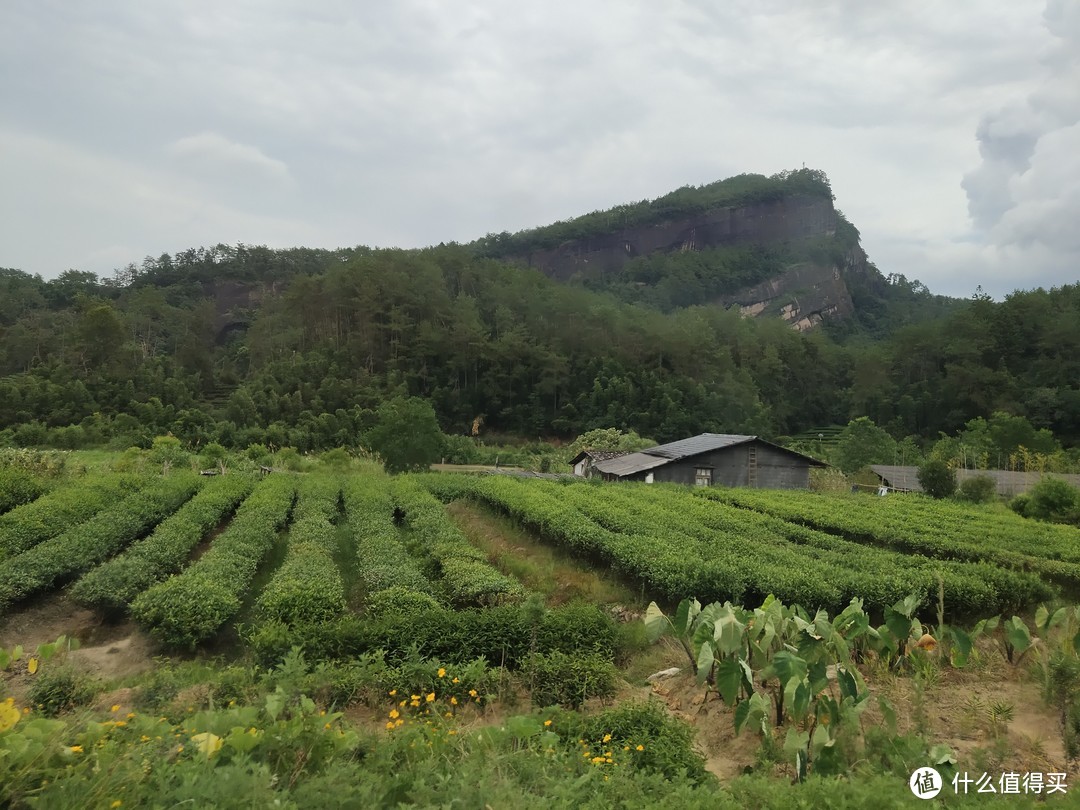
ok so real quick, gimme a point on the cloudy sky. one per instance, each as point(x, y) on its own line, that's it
point(950, 131)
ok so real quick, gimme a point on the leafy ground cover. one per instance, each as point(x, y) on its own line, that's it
point(458, 669)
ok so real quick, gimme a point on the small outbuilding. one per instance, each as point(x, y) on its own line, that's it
point(713, 459)
point(584, 463)
point(1007, 483)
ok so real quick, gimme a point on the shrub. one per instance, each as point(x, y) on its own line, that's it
point(60, 689)
point(398, 600)
point(978, 489)
point(667, 744)
point(17, 487)
point(192, 606)
point(937, 479)
point(1053, 500)
point(570, 680)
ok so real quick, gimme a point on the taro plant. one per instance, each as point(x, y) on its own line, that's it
point(803, 665)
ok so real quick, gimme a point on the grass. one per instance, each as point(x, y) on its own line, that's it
point(560, 578)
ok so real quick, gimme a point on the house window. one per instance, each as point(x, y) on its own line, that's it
point(703, 477)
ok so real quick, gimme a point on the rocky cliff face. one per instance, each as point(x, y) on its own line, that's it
point(804, 296)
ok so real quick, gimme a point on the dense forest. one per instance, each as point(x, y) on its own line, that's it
point(244, 345)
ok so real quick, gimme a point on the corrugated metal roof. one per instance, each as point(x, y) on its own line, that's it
point(1008, 482)
point(701, 443)
point(629, 464)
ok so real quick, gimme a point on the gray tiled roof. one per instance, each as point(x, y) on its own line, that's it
point(701, 443)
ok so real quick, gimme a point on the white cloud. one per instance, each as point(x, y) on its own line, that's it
point(411, 123)
point(214, 152)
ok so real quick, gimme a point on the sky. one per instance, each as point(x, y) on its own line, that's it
point(950, 131)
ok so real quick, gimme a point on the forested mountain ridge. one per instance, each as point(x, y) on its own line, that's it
point(295, 347)
point(775, 246)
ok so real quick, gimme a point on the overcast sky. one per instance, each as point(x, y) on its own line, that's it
point(950, 131)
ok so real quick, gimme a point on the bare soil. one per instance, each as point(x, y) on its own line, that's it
point(109, 651)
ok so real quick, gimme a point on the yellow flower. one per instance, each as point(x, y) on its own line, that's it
point(451, 732)
point(130, 715)
point(453, 701)
point(31, 666)
point(640, 747)
point(389, 725)
point(75, 749)
point(431, 697)
point(607, 738)
point(472, 693)
point(442, 672)
point(144, 738)
point(394, 714)
point(117, 803)
point(399, 723)
point(115, 708)
point(9, 715)
point(393, 692)
point(415, 697)
point(208, 743)
point(547, 722)
point(456, 680)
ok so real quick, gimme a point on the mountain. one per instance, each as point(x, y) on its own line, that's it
point(633, 317)
point(773, 246)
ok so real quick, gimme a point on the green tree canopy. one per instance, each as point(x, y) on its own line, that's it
point(863, 443)
point(608, 439)
point(406, 435)
point(937, 479)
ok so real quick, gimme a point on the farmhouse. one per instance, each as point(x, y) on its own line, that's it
point(1008, 482)
point(711, 459)
point(584, 463)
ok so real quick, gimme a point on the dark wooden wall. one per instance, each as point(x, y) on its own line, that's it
point(775, 468)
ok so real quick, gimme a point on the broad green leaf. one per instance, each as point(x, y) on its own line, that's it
point(275, 702)
point(820, 739)
point(705, 660)
point(681, 621)
point(753, 713)
point(888, 714)
point(1059, 617)
point(732, 675)
point(786, 667)
point(1018, 635)
point(728, 632)
point(523, 727)
point(241, 740)
point(1042, 617)
point(899, 625)
point(942, 754)
point(818, 677)
point(849, 687)
point(797, 698)
point(656, 623)
point(960, 648)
